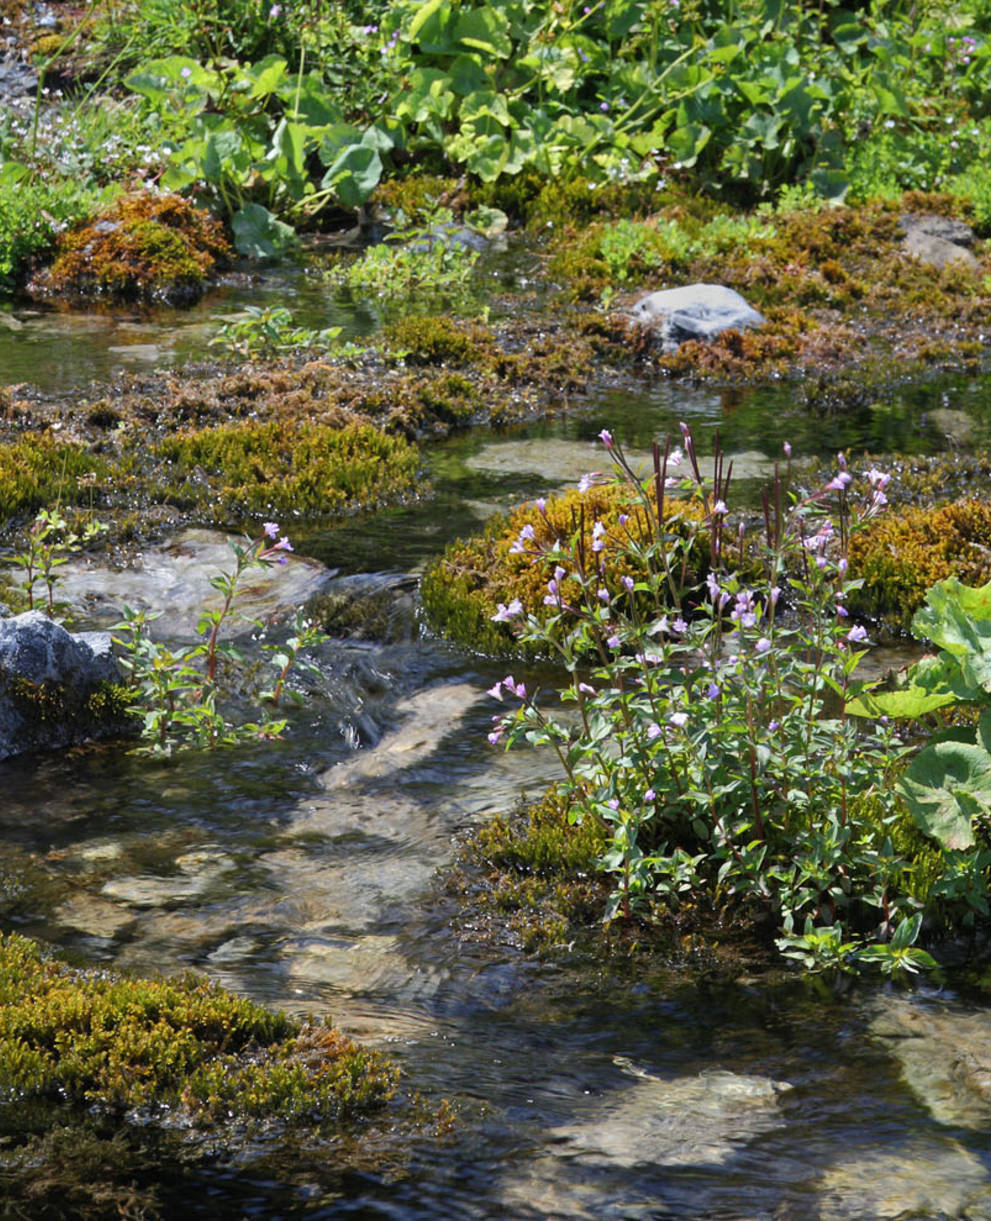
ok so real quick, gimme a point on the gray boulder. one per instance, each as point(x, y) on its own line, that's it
point(695, 311)
point(937, 240)
point(48, 680)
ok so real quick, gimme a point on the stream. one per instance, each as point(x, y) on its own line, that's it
point(303, 874)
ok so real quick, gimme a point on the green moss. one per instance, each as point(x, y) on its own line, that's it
point(418, 196)
point(463, 588)
point(437, 340)
point(903, 553)
point(145, 246)
point(37, 471)
point(183, 1044)
point(534, 874)
point(44, 703)
point(291, 466)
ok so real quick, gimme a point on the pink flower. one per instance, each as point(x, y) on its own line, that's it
point(271, 529)
point(606, 438)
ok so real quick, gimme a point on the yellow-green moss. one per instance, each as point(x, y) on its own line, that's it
point(437, 340)
point(462, 589)
point(37, 471)
point(96, 1038)
point(905, 552)
point(144, 246)
point(289, 465)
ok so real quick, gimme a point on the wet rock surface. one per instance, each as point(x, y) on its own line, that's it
point(694, 311)
point(47, 677)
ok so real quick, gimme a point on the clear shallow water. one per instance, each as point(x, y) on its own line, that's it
point(303, 874)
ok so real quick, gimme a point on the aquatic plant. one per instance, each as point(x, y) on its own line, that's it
point(50, 541)
point(177, 691)
point(185, 1045)
point(431, 257)
point(711, 739)
point(269, 331)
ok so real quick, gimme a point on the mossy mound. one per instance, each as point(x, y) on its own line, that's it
point(905, 552)
point(462, 590)
point(37, 471)
point(438, 341)
point(93, 1038)
point(291, 466)
point(145, 247)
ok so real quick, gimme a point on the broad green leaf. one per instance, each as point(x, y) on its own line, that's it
point(686, 143)
point(828, 183)
point(423, 14)
point(466, 75)
point(958, 619)
point(932, 683)
point(945, 786)
point(486, 30)
point(259, 234)
point(354, 174)
point(12, 172)
point(268, 74)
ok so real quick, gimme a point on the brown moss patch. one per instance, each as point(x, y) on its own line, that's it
point(904, 553)
point(152, 247)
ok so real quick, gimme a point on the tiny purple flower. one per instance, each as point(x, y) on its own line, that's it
point(719, 509)
point(494, 736)
point(629, 584)
point(283, 545)
point(613, 642)
point(841, 610)
point(857, 634)
point(603, 596)
point(585, 689)
point(713, 690)
point(679, 719)
point(762, 645)
point(613, 804)
point(271, 529)
point(624, 518)
point(787, 448)
point(653, 731)
point(606, 438)
point(603, 106)
point(650, 795)
point(773, 725)
point(679, 625)
point(541, 504)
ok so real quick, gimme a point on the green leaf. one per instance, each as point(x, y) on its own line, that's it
point(945, 786)
point(932, 683)
point(354, 175)
point(423, 14)
point(258, 234)
point(486, 30)
point(686, 143)
point(958, 619)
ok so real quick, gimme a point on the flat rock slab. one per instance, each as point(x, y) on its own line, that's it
point(694, 311)
point(174, 578)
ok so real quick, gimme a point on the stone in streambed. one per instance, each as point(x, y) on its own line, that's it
point(55, 685)
point(694, 311)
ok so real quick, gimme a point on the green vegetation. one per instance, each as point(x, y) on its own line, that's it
point(713, 750)
point(36, 471)
point(92, 1038)
point(280, 466)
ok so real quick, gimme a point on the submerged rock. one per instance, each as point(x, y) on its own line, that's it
point(945, 1056)
point(694, 311)
point(56, 687)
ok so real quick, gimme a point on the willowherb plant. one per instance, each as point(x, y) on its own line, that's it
point(177, 691)
point(711, 738)
point(51, 539)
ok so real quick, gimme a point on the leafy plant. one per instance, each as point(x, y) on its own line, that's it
point(177, 691)
point(711, 738)
point(947, 787)
point(50, 541)
point(269, 331)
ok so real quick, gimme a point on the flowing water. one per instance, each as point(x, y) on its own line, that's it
point(304, 874)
